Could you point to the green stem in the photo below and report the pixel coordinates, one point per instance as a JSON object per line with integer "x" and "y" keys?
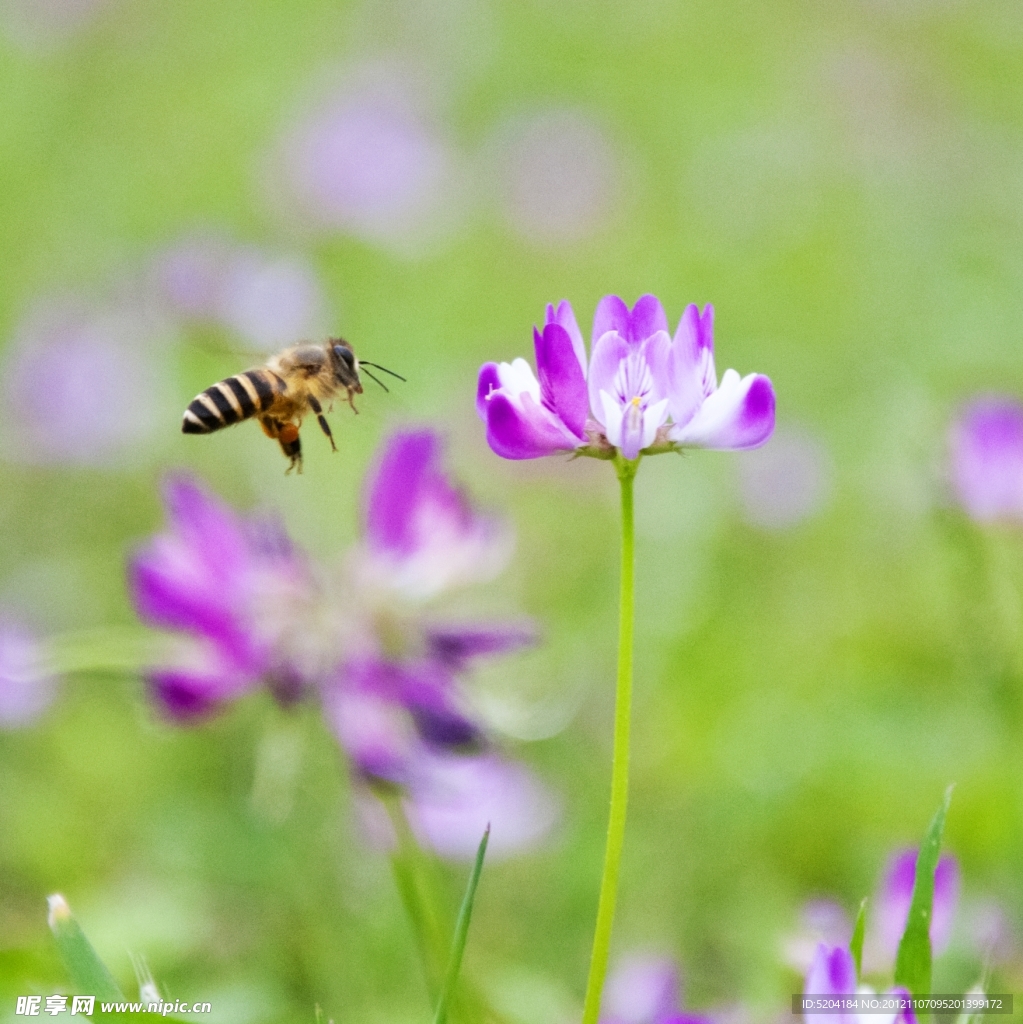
{"x": 620, "y": 761}
{"x": 106, "y": 649}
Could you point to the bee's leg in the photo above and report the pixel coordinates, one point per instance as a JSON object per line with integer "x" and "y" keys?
{"x": 270, "y": 426}
{"x": 324, "y": 425}
{"x": 291, "y": 445}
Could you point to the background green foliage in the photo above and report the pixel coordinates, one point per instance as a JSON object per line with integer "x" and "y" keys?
{"x": 843, "y": 182}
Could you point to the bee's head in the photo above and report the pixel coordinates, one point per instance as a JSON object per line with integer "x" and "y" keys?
{"x": 345, "y": 365}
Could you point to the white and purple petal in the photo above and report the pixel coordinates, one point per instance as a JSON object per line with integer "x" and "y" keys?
{"x": 564, "y": 316}
{"x": 184, "y": 694}
{"x": 738, "y": 415}
{"x": 422, "y": 536}
{"x": 524, "y": 429}
{"x": 452, "y": 799}
{"x": 832, "y": 972}
{"x": 691, "y": 377}
{"x": 456, "y": 646}
{"x": 635, "y": 325}
{"x": 562, "y": 380}
{"x": 610, "y": 351}
{"x": 372, "y": 727}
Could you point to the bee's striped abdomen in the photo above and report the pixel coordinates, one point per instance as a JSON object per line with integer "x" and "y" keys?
{"x": 232, "y": 400}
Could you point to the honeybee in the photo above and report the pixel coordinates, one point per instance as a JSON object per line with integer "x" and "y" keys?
{"x": 279, "y": 394}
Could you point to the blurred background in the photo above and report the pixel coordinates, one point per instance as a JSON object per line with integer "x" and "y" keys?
{"x": 825, "y": 639}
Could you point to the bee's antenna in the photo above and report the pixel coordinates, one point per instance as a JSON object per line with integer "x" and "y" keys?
{"x": 377, "y": 379}
{"x": 377, "y": 366}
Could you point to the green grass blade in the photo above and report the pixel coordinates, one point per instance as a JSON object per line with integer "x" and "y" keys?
{"x": 461, "y": 934}
{"x": 913, "y": 962}
{"x": 88, "y": 974}
{"x": 856, "y": 942}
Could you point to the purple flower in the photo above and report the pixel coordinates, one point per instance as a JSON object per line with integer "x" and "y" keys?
{"x": 369, "y": 161}
{"x": 642, "y": 390}
{"x": 986, "y": 458}
{"x": 452, "y": 798}
{"x": 421, "y": 535}
{"x": 27, "y": 687}
{"x": 645, "y": 988}
{"x": 233, "y": 586}
{"x": 399, "y": 694}
{"x": 267, "y": 299}
{"x": 892, "y": 905}
{"x": 108, "y": 396}
{"x": 833, "y": 973}
{"x": 387, "y": 674}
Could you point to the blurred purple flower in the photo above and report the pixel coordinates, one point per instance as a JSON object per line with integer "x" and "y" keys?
{"x": 820, "y": 920}
{"x": 559, "y": 177}
{"x": 986, "y": 458}
{"x": 233, "y": 586}
{"x": 452, "y": 798}
{"x": 27, "y": 687}
{"x": 270, "y": 301}
{"x": 387, "y": 675}
{"x": 638, "y": 379}
{"x": 891, "y": 907}
{"x": 833, "y": 973}
{"x": 189, "y": 274}
{"x": 421, "y": 537}
{"x": 645, "y": 989}
{"x": 786, "y": 483}
{"x": 367, "y": 161}
{"x": 104, "y": 385}
{"x": 267, "y": 299}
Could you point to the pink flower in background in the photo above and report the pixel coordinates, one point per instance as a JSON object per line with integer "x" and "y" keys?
{"x": 368, "y": 160}
{"x": 27, "y": 686}
{"x": 986, "y": 458}
{"x": 253, "y": 613}
{"x": 891, "y": 907}
{"x": 234, "y": 586}
{"x": 641, "y": 388}
{"x": 645, "y": 988}
{"x": 267, "y": 299}
{"x": 452, "y": 798}
{"x": 108, "y": 396}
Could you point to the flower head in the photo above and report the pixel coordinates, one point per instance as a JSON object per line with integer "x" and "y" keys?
{"x": 229, "y": 584}
{"x": 641, "y": 390}
{"x": 388, "y": 675}
{"x": 986, "y": 450}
